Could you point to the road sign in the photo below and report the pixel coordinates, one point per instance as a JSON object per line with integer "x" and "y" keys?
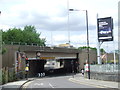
{"x": 47, "y": 58}
{"x": 38, "y": 54}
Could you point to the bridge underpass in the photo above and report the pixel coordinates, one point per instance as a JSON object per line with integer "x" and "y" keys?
{"x": 35, "y": 67}
{"x": 56, "y": 67}
{"x": 62, "y": 60}
{"x": 14, "y": 57}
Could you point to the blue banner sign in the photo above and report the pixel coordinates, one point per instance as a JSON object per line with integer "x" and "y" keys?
{"x": 105, "y": 29}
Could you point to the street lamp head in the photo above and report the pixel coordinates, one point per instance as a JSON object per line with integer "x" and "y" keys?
{"x": 71, "y": 9}
{"x": 76, "y": 10}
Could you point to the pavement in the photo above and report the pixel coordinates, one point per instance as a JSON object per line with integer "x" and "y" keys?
{"x": 97, "y": 83}
{"x": 15, "y": 85}
{"x": 78, "y": 78}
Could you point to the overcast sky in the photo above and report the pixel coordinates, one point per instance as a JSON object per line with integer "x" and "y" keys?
{"x": 50, "y": 17}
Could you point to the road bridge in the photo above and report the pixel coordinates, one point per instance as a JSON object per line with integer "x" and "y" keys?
{"x": 51, "y": 59}
{"x": 57, "y": 56}
{"x": 15, "y": 55}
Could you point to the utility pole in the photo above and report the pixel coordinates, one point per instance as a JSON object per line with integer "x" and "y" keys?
{"x": 68, "y": 22}
{"x": 87, "y": 39}
{"x": 98, "y": 47}
{"x": 88, "y": 44}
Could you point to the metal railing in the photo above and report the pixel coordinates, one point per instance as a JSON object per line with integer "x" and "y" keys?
{"x": 105, "y": 68}
{"x": 21, "y": 43}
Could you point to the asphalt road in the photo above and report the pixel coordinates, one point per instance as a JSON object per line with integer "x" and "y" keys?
{"x": 54, "y": 82}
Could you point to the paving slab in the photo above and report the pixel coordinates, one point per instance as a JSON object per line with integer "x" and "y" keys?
{"x": 14, "y": 85}
{"x": 106, "y": 84}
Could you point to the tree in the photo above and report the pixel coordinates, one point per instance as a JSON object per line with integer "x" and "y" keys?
{"x": 12, "y": 35}
{"x": 31, "y": 36}
{"x": 0, "y": 41}
{"x": 102, "y": 51}
{"x": 2, "y": 49}
{"x": 27, "y": 35}
{"x": 84, "y": 47}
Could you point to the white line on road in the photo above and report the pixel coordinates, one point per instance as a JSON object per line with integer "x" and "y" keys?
{"x": 51, "y": 85}
{"x": 41, "y": 84}
{"x": 38, "y": 84}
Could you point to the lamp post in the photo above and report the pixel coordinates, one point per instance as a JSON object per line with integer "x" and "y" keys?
{"x": 87, "y": 38}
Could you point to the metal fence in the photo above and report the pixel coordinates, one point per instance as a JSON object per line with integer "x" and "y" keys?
{"x": 21, "y": 43}
{"x": 27, "y": 44}
{"x": 112, "y": 68}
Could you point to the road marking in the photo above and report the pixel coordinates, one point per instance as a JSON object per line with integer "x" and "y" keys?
{"x": 51, "y": 85}
{"x": 52, "y": 77}
{"x": 26, "y": 85}
{"x": 38, "y": 84}
{"x": 41, "y": 84}
{"x": 75, "y": 81}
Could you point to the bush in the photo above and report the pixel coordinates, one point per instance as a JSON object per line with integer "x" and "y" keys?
{"x": 9, "y": 75}
{"x": 4, "y": 75}
{"x": 20, "y": 75}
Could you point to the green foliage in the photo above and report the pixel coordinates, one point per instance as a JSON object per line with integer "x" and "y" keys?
{"x": 9, "y": 75}
{"x": 84, "y": 47}
{"x": 4, "y": 75}
{"x": 3, "y": 50}
{"x": 27, "y": 35}
{"x": 12, "y": 35}
{"x": 0, "y": 41}
{"x": 102, "y": 51}
{"x": 111, "y": 61}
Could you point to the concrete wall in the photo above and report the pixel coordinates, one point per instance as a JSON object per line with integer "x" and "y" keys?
{"x": 104, "y": 76}
{"x": 110, "y": 56}
{"x": 47, "y": 54}
{"x": 8, "y": 58}
{"x": 83, "y": 56}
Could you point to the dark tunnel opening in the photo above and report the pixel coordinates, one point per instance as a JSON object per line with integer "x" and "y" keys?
{"x": 35, "y": 67}
{"x": 38, "y": 66}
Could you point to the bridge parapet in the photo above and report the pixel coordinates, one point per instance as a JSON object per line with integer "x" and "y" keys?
{"x": 48, "y": 49}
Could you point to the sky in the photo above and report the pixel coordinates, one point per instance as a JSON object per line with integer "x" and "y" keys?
{"x": 58, "y": 25}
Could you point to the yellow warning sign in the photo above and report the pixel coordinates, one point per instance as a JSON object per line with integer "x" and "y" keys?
{"x": 47, "y": 57}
